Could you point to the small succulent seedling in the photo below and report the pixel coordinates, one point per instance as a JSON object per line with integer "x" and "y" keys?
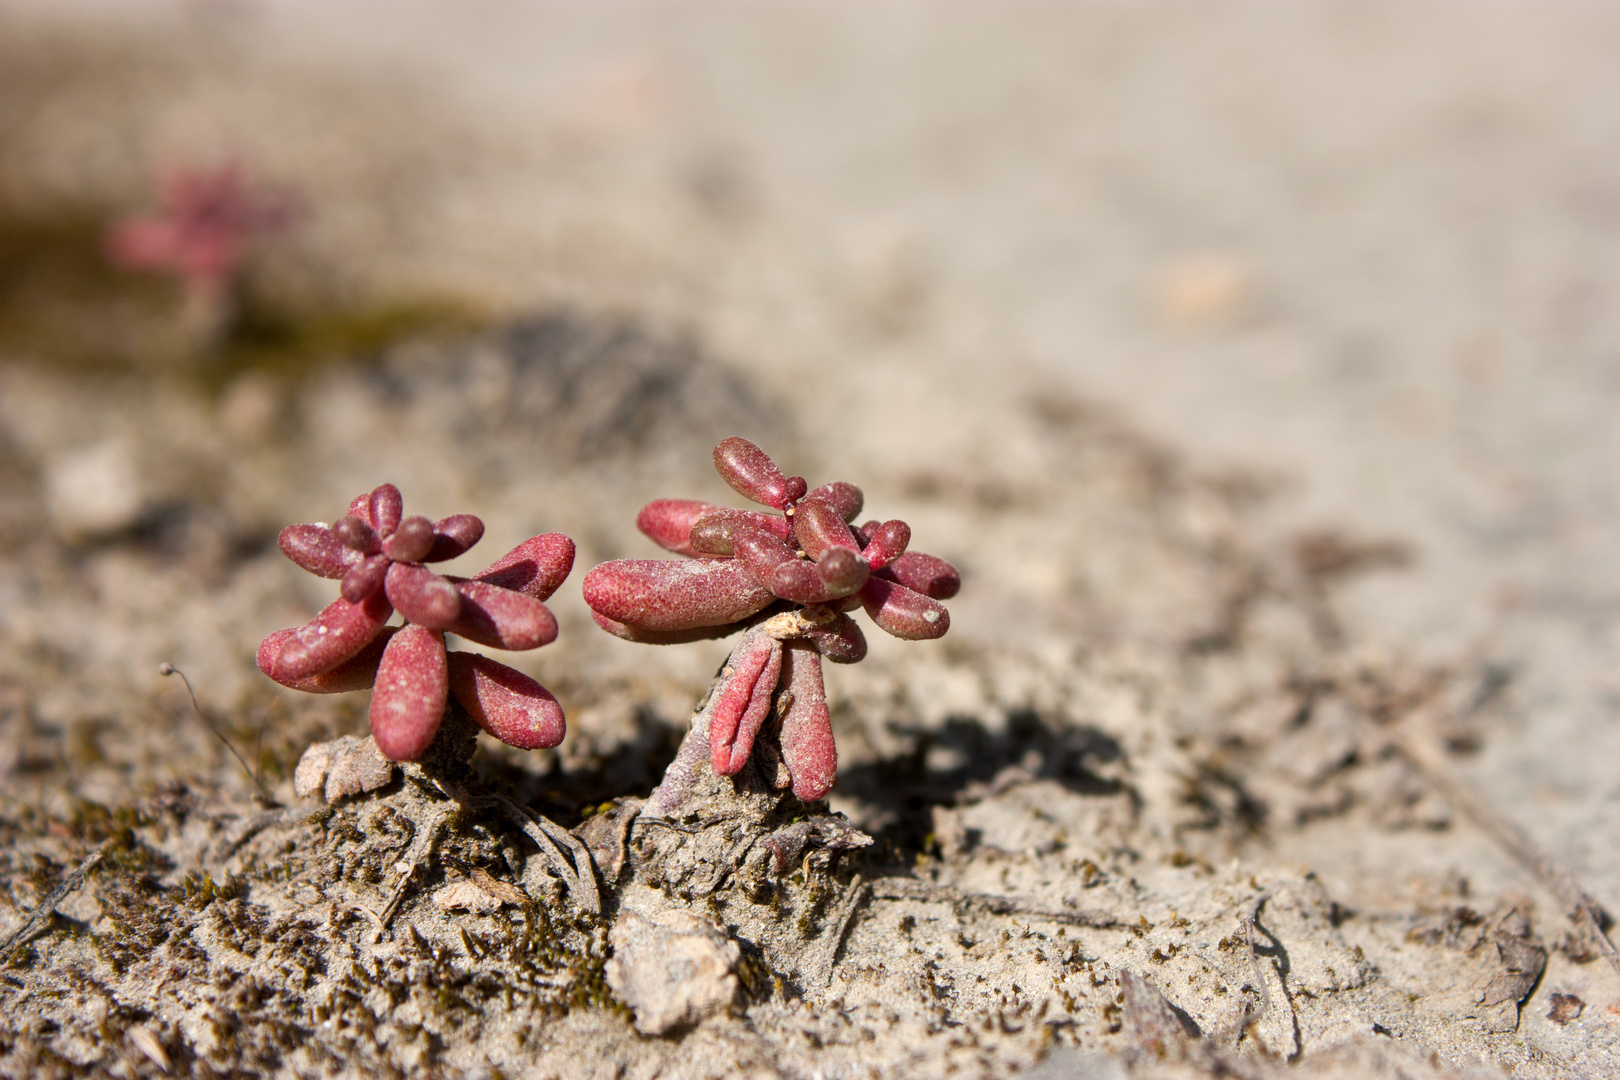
{"x": 380, "y": 556}
{"x": 790, "y": 578}
{"x": 204, "y": 229}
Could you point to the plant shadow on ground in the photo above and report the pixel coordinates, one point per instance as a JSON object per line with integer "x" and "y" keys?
{"x": 946, "y": 763}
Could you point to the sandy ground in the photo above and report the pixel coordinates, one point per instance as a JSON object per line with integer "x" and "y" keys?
{"x": 1256, "y": 364}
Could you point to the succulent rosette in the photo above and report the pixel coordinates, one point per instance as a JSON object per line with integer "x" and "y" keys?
{"x": 380, "y": 555}
{"x": 806, "y": 562}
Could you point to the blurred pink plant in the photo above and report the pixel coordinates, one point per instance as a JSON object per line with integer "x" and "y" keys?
{"x": 811, "y": 563}
{"x": 379, "y": 555}
{"x": 205, "y": 226}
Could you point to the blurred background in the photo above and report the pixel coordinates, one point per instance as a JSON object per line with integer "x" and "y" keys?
{"x": 1116, "y": 303}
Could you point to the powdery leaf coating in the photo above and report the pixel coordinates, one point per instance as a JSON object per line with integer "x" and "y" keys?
{"x": 905, "y": 614}
{"x": 885, "y": 542}
{"x": 411, "y": 541}
{"x": 753, "y": 475}
{"x": 715, "y": 533}
{"x": 668, "y": 522}
{"x": 808, "y": 749}
{"x": 506, "y": 703}
{"x": 317, "y": 549}
{"x": 842, "y": 571}
{"x": 364, "y": 577}
{"x": 661, "y": 637}
{"x": 502, "y": 618}
{"x": 356, "y": 673}
{"x": 356, "y": 533}
{"x": 744, "y": 703}
{"x": 386, "y": 506}
{"x": 763, "y": 554}
{"x": 534, "y": 568}
{"x": 453, "y": 535}
{"x": 654, "y": 594}
{"x": 339, "y": 632}
{"x": 927, "y": 574}
{"x": 422, "y": 596}
{"x": 843, "y": 497}
{"x": 817, "y": 527}
{"x": 412, "y": 687}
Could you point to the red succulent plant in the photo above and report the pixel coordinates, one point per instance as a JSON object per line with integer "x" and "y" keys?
{"x": 208, "y": 221}
{"x": 790, "y": 578}
{"x": 380, "y": 554}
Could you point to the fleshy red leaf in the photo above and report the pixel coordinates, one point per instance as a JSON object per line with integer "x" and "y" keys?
{"x": 357, "y": 535}
{"x": 927, "y": 574}
{"x": 454, "y": 535}
{"x": 356, "y": 673}
{"x": 534, "y": 568}
{"x": 411, "y": 540}
{"x": 714, "y": 534}
{"x": 364, "y": 578}
{"x": 817, "y": 527}
{"x": 763, "y": 554}
{"x": 845, "y": 498}
{"x": 886, "y": 542}
{"x": 663, "y": 637}
{"x": 360, "y": 507}
{"x": 659, "y": 595}
{"x": 669, "y": 522}
{"x": 422, "y": 596}
{"x": 840, "y": 641}
{"x": 751, "y": 473}
{"x": 902, "y": 612}
{"x": 318, "y": 549}
{"x": 506, "y": 703}
{"x": 412, "y": 685}
{"x": 386, "y": 508}
{"x": 502, "y": 618}
{"x": 744, "y": 703}
{"x": 797, "y": 580}
{"x": 340, "y": 631}
{"x": 841, "y": 570}
{"x": 808, "y": 749}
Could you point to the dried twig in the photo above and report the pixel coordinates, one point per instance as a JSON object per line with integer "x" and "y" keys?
{"x": 1582, "y": 910}
{"x": 47, "y": 907}
{"x": 580, "y": 878}
{"x": 853, "y": 896}
{"x": 912, "y": 889}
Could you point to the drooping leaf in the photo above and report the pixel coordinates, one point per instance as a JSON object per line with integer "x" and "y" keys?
{"x": 808, "y": 749}
{"x": 407, "y": 703}
{"x": 506, "y": 703}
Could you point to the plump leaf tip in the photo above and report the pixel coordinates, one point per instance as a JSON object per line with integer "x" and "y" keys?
{"x": 746, "y": 565}
{"x": 380, "y": 555}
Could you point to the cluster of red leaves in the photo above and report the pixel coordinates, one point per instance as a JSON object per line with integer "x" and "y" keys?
{"x": 807, "y": 557}
{"x": 379, "y": 555}
{"x": 207, "y": 221}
